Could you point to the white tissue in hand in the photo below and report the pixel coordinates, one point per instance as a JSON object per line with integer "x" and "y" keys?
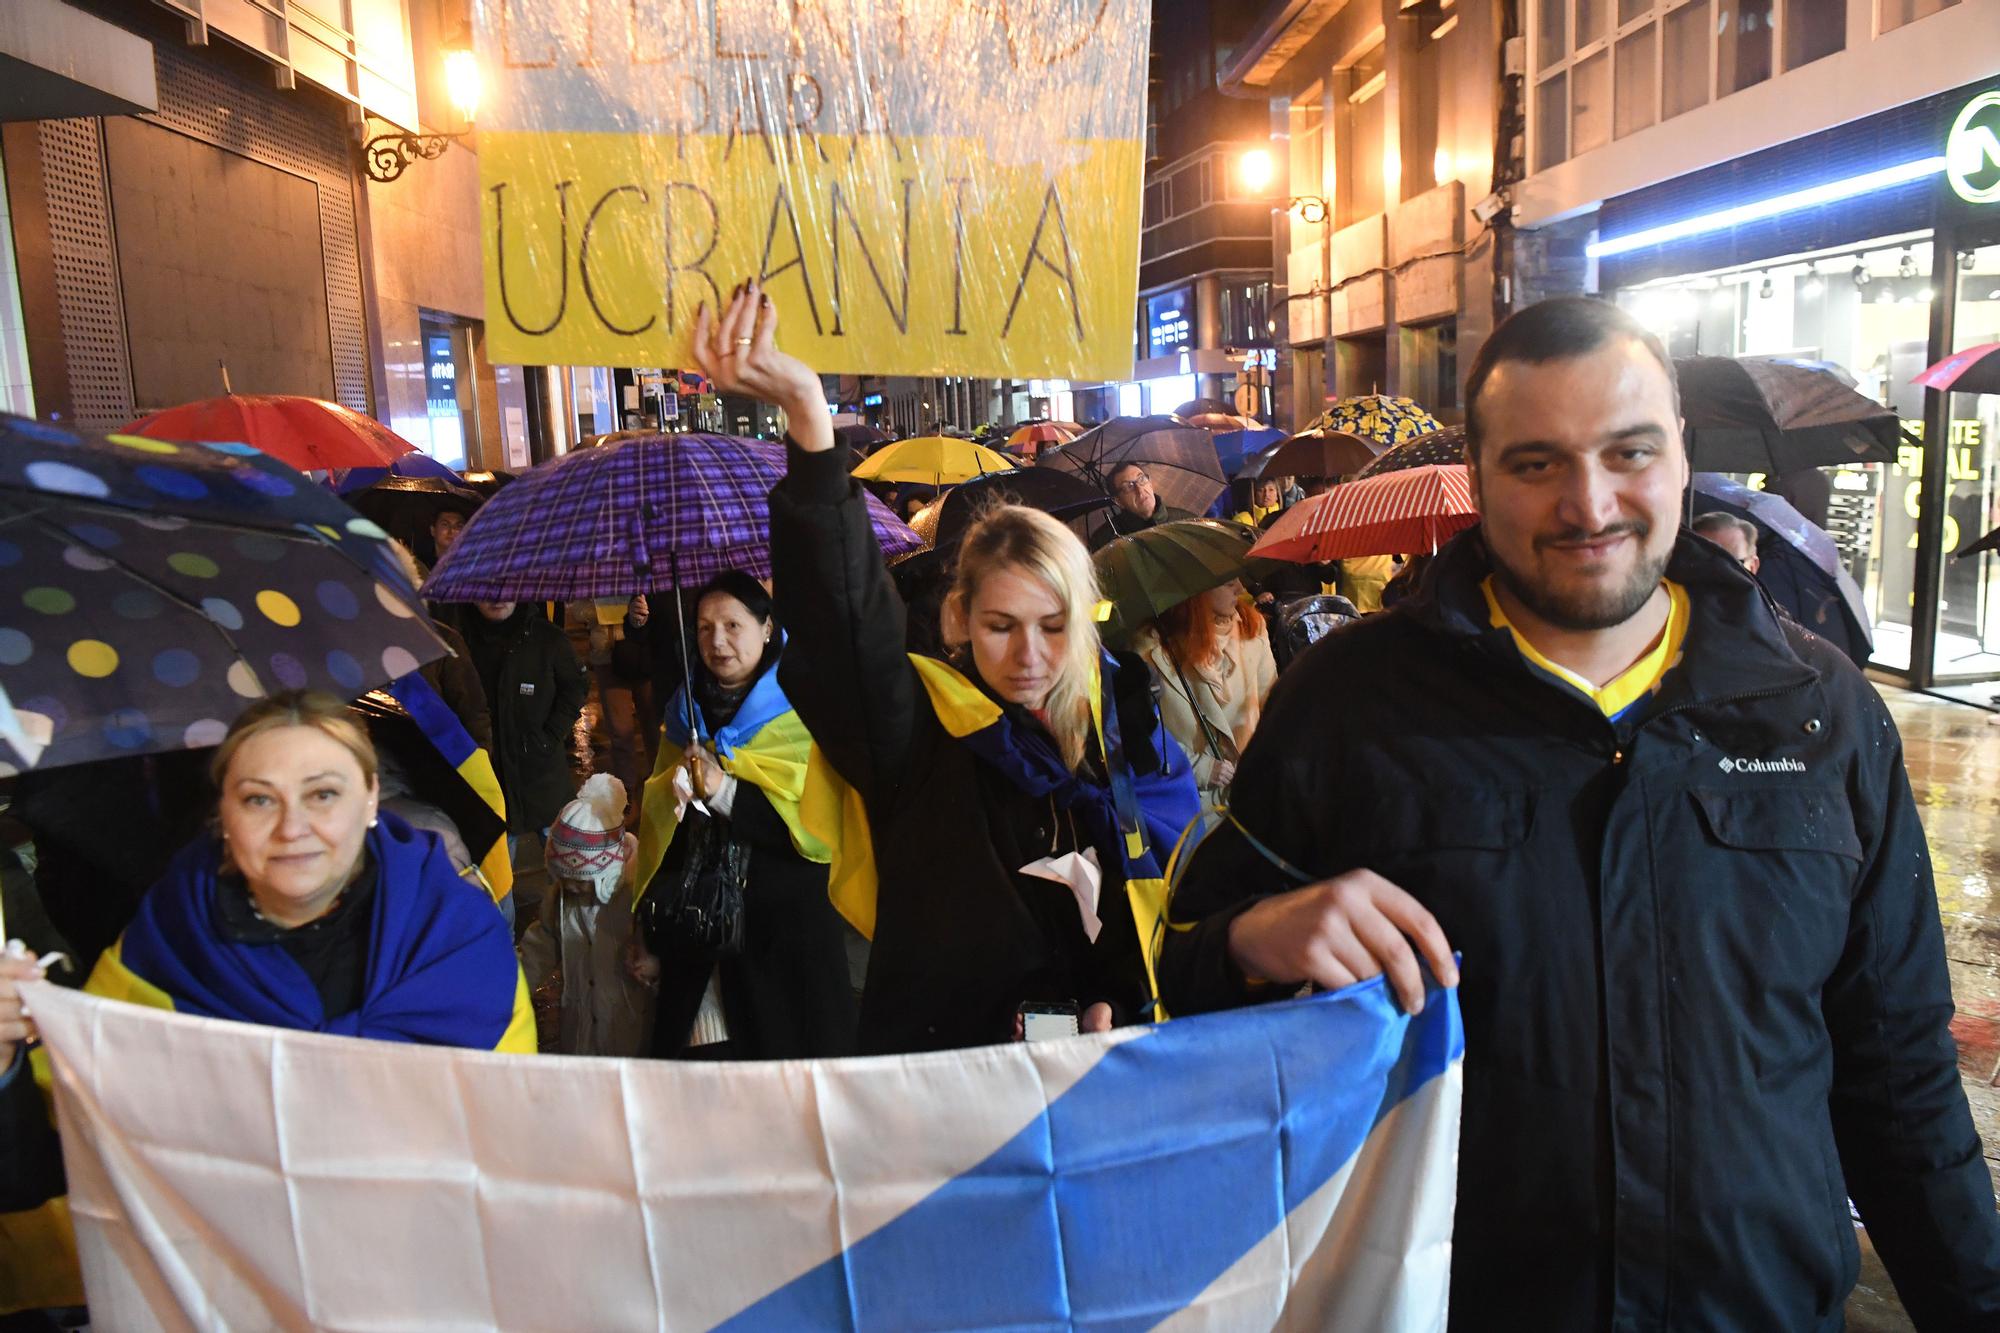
{"x": 1084, "y": 878}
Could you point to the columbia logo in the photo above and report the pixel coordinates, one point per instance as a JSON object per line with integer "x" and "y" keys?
{"x": 1729, "y": 765}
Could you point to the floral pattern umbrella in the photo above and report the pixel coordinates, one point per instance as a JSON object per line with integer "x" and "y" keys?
{"x": 1380, "y": 417}
{"x": 152, "y": 590}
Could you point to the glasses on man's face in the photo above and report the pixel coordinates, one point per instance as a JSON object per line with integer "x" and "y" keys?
{"x": 1133, "y": 486}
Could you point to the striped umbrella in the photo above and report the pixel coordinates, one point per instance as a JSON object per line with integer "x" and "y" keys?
{"x": 1398, "y": 513}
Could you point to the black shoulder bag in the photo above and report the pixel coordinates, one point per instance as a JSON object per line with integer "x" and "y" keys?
{"x": 696, "y": 898}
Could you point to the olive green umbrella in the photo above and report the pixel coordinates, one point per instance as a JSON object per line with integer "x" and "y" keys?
{"x": 1143, "y": 574}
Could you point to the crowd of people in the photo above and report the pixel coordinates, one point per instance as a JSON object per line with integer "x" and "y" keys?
{"x": 1658, "y": 836}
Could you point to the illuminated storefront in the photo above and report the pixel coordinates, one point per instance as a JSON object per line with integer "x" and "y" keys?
{"x": 1874, "y": 247}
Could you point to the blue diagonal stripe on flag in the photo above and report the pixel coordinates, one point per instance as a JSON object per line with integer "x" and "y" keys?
{"x": 1167, "y": 1162}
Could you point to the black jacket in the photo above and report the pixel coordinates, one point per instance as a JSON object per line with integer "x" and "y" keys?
{"x": 1121, "y": 523}
{"x": 1704, "y": 982}
{"x": 961, "y": 937}
{"x": 786, "y": 995}
{"x": 535, "y": 690}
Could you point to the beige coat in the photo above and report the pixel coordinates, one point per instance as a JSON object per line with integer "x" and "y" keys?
{"x": 1230, "y": 693}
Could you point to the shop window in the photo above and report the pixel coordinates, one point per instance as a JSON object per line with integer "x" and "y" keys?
{"x": 1814, "y": 29}
{"x": 1429, "y": 365}
{"x": 1897, "y": 13}
{"x": 1552, "y": 122}
{"x": 1158, "y": 209}
{"x": 1968, "y": 641}
{"x": 1636, "y": 92}
{"x": 1360, "y": 365}
{"x": 1246, "y": 314}
{"x": 1591, "y": 124}
{"x": 1743, "y": 43}
{"x": 1684, "y": 61}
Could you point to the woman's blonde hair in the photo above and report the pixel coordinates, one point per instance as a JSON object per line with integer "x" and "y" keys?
{"x": 297, "y": 708}
{"x": 1014, "y": 536}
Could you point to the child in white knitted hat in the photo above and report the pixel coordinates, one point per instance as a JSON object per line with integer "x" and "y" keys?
{"x": 586, "y": 1000}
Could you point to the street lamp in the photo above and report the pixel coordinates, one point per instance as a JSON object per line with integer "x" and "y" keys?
{"x": 387, "y": 156}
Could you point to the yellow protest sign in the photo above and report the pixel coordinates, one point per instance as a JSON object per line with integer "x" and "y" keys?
{"x": 924, "y": 187}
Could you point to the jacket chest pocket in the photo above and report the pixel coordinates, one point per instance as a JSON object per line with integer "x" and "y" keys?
{"x": 1443, "y": 837}
{"x": 1775, "y": 864}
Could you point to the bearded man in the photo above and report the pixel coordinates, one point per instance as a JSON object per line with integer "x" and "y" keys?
{"x": 1670, "y": 835}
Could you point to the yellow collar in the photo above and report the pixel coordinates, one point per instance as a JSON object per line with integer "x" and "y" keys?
{"x": 1628, "y": 686}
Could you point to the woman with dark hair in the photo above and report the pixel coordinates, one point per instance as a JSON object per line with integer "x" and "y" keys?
{"x": 781, "y": 989}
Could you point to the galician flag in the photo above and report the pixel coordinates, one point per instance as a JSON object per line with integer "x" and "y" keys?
{"x": 1286, "y": 1166}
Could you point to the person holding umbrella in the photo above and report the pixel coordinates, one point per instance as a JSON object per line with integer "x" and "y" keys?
{"x": 1003, "y": 819}
{"x": 1135, "y": 506}
{"x": 738, "y": 746}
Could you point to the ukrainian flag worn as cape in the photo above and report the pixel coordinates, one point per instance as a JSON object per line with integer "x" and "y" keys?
{"x": 443, "y": 730}
{"x": 765, "y": 745}
{"x": 1151, "y": 810}
{"x": 441, "y": 971}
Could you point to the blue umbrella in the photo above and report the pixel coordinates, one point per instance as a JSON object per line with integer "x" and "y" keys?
{"x": 348, "y": 480}
{"x": 1233, "y": 448}
{"x": 1799, "y": 564}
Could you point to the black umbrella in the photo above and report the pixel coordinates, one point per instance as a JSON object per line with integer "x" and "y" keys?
{"x": 1752, "y": 415}
{"x": 405, "y": 506}
{"x": 1179, "y": 458}
{"x": 1195, "y": 407}
{"x": 861, "y": 438}
{"x": 1438, "y": 447}
{"x": 486, "y": 484}
{"x": 1064, "y": 495}
{"x": 1313, "y": 453}
{"x": 1799, "y": 565}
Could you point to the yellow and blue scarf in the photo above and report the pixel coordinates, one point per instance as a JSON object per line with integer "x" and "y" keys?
{"x": 765, "y": 745}
{"x": 1128, "y": 819}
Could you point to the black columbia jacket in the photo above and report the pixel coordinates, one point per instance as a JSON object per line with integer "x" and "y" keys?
{"x": 1704, "y": 981}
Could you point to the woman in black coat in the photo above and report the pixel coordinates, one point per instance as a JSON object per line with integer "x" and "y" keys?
{"x": 784, "y": 993}
{"x": 986, "y": 781}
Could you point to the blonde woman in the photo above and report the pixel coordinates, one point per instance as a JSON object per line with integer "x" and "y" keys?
{"x": 1011, "y": 794}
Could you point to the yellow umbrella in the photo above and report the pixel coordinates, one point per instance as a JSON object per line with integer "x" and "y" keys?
{"x": 937, "y": 460}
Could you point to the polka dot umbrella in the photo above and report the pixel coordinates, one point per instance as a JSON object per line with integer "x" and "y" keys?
{"x": 149, "y": 591}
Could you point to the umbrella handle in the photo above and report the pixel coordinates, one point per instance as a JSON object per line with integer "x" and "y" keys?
{"x": 687, "y": 666}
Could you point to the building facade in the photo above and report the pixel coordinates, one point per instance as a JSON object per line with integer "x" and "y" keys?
{"x": 1809, "y": 180}
{"x": 186, "y": 200}
{"x": 1204, "y": 323}
{"x": 1383, "y": 118}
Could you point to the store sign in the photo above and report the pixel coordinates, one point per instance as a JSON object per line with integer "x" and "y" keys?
{"x": 1169, "y": 321}
{"x": 440, "y": 373}
{"x": 922, "y": 189}
{"x": 1972, "y": 152}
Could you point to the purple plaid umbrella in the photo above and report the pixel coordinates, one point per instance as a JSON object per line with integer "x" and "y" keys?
{"x": 640, "y": 516}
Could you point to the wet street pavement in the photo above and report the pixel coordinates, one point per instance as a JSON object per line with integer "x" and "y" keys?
{"x": 1953, "y": 755}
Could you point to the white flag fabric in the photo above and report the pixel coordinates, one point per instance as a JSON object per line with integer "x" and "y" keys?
{"x": 1286, "y": 1166}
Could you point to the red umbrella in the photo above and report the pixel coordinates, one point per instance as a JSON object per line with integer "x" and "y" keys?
{"x": 1975, "y": 370}
{"x": 308, "y": 433}
{"x": 1397, "y": 513}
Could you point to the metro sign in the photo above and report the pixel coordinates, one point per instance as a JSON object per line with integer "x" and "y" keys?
{"x": 1972, "y": 153}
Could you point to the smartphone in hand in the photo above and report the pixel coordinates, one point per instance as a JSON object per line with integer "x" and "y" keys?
{"x": 1047, "y": 1020}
